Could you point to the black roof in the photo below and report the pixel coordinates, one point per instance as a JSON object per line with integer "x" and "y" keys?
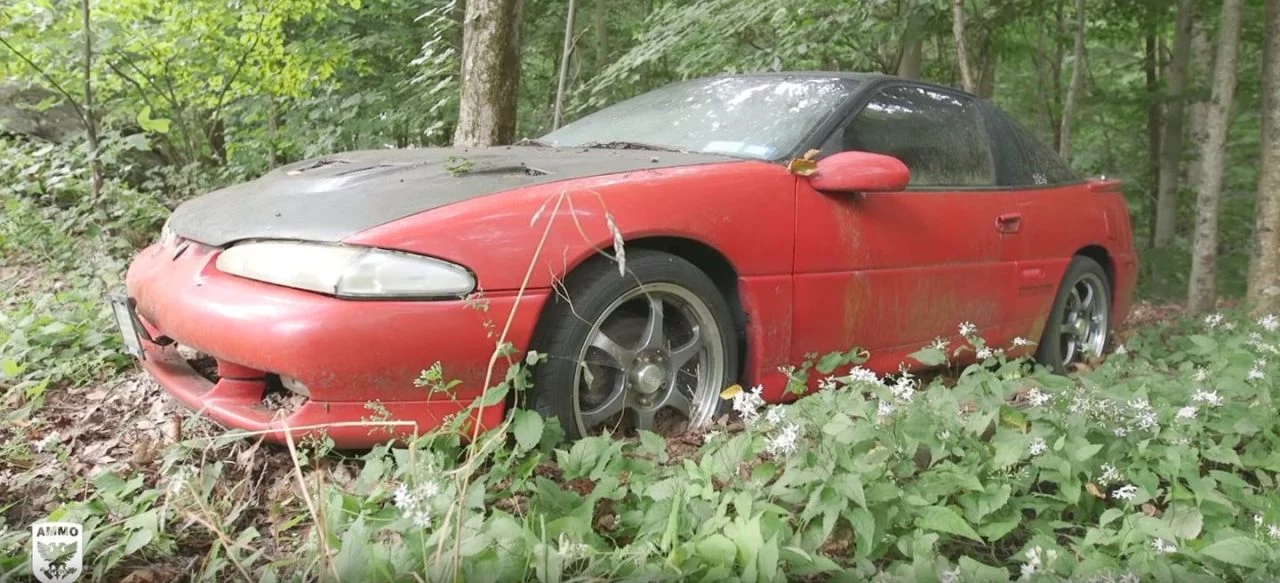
{"x": 864, "y": 76}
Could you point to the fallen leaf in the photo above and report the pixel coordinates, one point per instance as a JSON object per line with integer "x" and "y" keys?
{"x": 1097, "y": 492}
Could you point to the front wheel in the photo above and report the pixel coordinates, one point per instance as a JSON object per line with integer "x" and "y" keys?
{"x": 1079, "y": 323}
{"x": 651, "y": 349}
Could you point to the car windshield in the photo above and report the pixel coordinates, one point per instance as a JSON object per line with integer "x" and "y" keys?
{"x": 764, "y": 117}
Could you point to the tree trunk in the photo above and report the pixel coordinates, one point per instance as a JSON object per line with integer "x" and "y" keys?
{"x": 1202, "y": 291}
{"x": 1153, "y": 117}
{"x": 962, "y": 47}
{"x": 1073, "y": 90}
{"x": 911, "y": 55}
{"x": 1197, "y": 110}
{"x": 1264, "y": 266}
{"x": 490, "y": 73}
{"x": 1171, "y": 141}
{"x": 564, "y": 65}
{"x": 600, "y": 23}
{"x": 987, "y": 70}
{"x": 90, "y": 117}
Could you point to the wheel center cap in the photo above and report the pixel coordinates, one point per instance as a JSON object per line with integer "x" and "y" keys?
{"x": 649, "y": 378}
{"x": 1082, "y": 327}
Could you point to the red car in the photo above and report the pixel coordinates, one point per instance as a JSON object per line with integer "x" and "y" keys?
{"x": 656, "y": 251}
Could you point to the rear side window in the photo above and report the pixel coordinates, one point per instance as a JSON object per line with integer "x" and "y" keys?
{"x": 939, "y": 136}
{"x": 1025, "y": 159}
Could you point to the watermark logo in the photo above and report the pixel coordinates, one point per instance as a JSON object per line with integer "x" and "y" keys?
{"x": 57, "y": 551}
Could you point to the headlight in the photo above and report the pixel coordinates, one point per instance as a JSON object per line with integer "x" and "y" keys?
{"x": 345, "y": 271}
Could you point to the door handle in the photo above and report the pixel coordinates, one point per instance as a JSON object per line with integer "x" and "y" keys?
{"x": 1009, "y": 223}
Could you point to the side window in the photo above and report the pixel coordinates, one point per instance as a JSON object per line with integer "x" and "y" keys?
{"x": 1031, "y": 162}
{"x": 939, "y": 136}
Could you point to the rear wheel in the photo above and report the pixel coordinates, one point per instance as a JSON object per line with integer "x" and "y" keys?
{"x": 649, "y": 350}
{"x": 1080, "y": 322}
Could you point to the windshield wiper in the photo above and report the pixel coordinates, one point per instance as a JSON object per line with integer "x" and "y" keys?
{"x": 624, "y": 145}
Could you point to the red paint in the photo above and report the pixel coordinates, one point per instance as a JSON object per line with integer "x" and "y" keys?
{"x": 885, "y": 270}
{"x": 860, "y": 172}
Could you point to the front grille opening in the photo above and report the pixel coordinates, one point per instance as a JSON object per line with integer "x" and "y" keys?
{"x": 279, "y": 400}
{"x": 204, "y": 364}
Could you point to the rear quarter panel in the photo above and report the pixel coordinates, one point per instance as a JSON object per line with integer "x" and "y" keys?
{"x": 1058, "y": 223}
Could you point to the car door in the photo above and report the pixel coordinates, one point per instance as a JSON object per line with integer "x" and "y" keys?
{"x": 891, "y": 271}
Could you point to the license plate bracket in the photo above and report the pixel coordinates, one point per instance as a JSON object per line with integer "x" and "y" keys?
{"x": 131, "y": 330}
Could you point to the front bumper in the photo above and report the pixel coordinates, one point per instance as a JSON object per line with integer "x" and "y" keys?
{"x": 358, "y": 359}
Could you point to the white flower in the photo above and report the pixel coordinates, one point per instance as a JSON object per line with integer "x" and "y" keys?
{"x": 1140, "y": 405}
{"x": 1163, "y": 547}
{"x": 1037, "y": 558}
{"x": 1201, "y": 375}
{"x": 944, "y": 435}
{"x": 952, "y": 576}
{"x": 415, "y": 504}
{"x": 885, "y": 409}
{"x": 1213, "y": 320}
{"x": 1188, "y": 413}
{"x": 967, "y": 329}
{"x": 1120, "y": 431}
{"x": 1254, "y": 339}
{"x": 1255, "y": 374}
{"x": 1257, "y": 519}
{"x": 571, "y": 551}
{"x": 862, "y": 375}
{"x": 784, "y": 443}
{"x": 1147, "y": 420}
{"x": 1130, "y": 577}
{"x": 708, "y": 436}
{"x": 1270, "y": 322}
{"x": 1121, "y": 350}
{"x": 1037, "y": 397}
{"x": 940, "y": 344}
{"x": 1125, "y": 492}
{"x": 1037, "y": 446}
{"x": 904, "y": 389}
{"x": 775, "y": 414}
{"x": 985, "y": 353}
{"x": 747, "y": 403}
{"x": 827, "y": 384}
{"x": 1273, "y": 531}
{"x": 1110, "y": 475}
{"x": 1020, "y": 341}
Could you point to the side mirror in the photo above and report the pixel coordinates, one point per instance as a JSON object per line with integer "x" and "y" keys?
{"x": 857, "y": 172}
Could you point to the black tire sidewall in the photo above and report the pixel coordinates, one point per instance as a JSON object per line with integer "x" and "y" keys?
{"x": 587, "y": 292}
{"x": 1050, "y": 349}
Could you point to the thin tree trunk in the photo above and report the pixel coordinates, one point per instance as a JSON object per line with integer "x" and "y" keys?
{"x": 1073, "y": 90}
{"x": 564, "y": 65}
{"x": 600, "y": 22}
{"x": 1264, "y": 266}
{"x": 1197, "y": 110}
{"x": 1202, "y": 291}
{"x": 1153, "y": 117}
{"x": 911, "y": 53}
{"x": 490, "y": 73}
{"x": 1171, "y": 141}
{"x": 962, "y": 47}
{"x": 90, "y": 119}
{"x": 988, "y": 59}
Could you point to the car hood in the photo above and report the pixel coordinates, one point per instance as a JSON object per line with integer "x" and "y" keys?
{"x": 334, "y": 197}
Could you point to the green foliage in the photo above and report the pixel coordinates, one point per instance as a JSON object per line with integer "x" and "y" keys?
{"x": 1158, "y": 463}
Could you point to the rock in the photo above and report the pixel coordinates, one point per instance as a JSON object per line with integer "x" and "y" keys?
{"x": 34, "y": 111}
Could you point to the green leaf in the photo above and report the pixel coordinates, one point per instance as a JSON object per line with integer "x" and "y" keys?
{"x": 527, "y": 426}
{"x": 157, "y": 125}
{"x": 1240, "y": 550}
{"x": 829, "y": 362}
{"x": 929, "y": 356}
{"x": 1010, "y": 446}
{"x": 1109, "y": 515}
{"x": 717, "y": 549}
{"x": 1185, "y": 521}
{"x": 974, "y": 571}
{"x": 943, "y": 519}
{"x": 1088, "y": 451}
{"x": 851, "y": 487}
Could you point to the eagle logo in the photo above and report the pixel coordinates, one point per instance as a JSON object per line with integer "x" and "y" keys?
{"x": 57, "y": 551}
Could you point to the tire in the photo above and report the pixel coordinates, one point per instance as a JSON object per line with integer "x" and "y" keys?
{"x": 589, "y": 383}
{"x": 1075, "y": 322}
